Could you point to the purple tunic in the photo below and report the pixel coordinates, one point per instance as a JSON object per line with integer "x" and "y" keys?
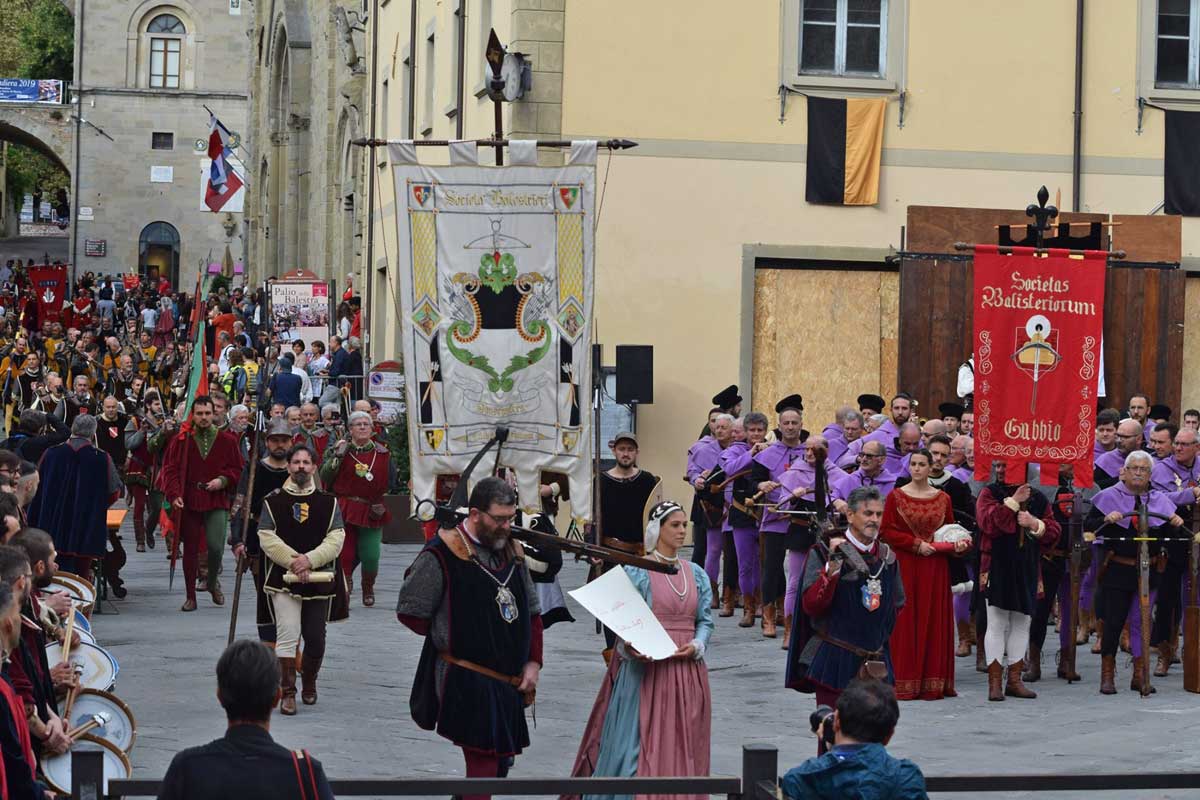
{"x": 734, "y": 459}
{"x": 777, "y": 459}
{"x": 1118, "y": 498}
{"x": 1176, "y": 480}
{"x": 1097, "y": 450}
{"x": 835, "y": 437}
{"x": 803, "y": 474}
{"x": 963, "y": 473}
{"x": 1111, "y": 462}
{"x": 885, "y": 481}
{"x": 703, "y": 455}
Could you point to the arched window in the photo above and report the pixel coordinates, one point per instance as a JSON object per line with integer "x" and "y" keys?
{"x": 166, "y": 45}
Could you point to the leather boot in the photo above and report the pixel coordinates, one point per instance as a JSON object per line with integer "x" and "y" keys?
{"x": 995, "y": 681}
{"x": 1163, "y": 665}
{"x": 1125, "y": 648}
{"x": 139, "y": 532}
{"x": 349, "y": 585}
{"x": 964, "y": 644}
{"x": 214, "y": 589}
{"x": 368, "y": 588}
{"x": 1066, "y": 666}
{"x": 1084, "y": 629}
{"x": 1099, "y": 636}
{"x": 787, "y": 631}
{"x": 1139, "y": 678}
{"x": 308, "y": 681}
{"x": 972, "y": 637}
{"x": 1108, "y": 672}
{"x": 287, "y": 682}
{"x": 1174, "y": 640}
{"x": 749, "y": 609}
{"x": 981, "y": 664}
{"x": 1014, "y": 687}
{"x": 1033, "y": 671}
{"x": 768, "y": 620}
{"x": 716, "y": 594}
{"x": 726, "y": 602}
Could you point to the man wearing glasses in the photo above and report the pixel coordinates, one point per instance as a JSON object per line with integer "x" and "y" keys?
{"x": 1109, "y": 465}
{"x": 1178, "y": 475}
{"x": 470, "y": 595}
{"x": 870, "y": 472}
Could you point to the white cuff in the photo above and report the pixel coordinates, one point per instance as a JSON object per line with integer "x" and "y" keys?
{"x": 1012, "y": 505}
{"x": 700, "y": 648}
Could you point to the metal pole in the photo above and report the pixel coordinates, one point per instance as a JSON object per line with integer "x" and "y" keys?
{"x": 365, "y": 290}
{"x": 462, "y": 68}
{"x": 499, "y": 135}
{"x": 1076, "y": 152}
{"x": 608, "y": 144}
{"x": 75, "y": 178}
{"x": 760, "y": 763}
{"x": 412, "y": 71}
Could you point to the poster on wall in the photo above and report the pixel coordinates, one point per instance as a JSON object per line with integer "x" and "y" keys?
{"x": 1038, "y": 324}
{"x": 496, "y": 277}
{"x": 28, "y": 90}
{"x": 300, "y": 310}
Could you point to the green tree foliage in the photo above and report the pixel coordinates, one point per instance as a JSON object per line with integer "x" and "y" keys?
{"x": 47, "y": 41}
{"x": 29, "y": 170}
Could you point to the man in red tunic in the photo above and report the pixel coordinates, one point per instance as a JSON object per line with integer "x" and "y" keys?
{"x": 200, "y": 471}
{"x": 357, "y": 472}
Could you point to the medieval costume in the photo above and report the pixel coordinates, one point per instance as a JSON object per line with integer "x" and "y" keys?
{"x": 140, "y": 473}
{"x": 623, "y": 504}
{"x": 1117, "y": 577}
{"x": 72, "y": 502}
{"x": 922, "y": 643}
{"x": 655, "y": 719}
{"x": 770, "y": 465}
{"x": 849, "y": 616}
{"x": 1010, "y": 577}
{"x": 1179, "y": 480}
{"x": 266, "y": 480}
{"x": 191, "y": 461}
{"x": 479, "y": 613}
{"x": 358, "y": 475}
{"x": 317, "y": 439}
{"x": 707, "y": 506}
{"x": 297, "y": 521}
{"x": 736, "y": 462}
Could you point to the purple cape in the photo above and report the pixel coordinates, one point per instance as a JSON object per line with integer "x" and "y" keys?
{"x": 1118, "y": 498}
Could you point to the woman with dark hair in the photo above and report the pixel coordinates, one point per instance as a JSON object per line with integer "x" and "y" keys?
{"x": 923, "y": 641}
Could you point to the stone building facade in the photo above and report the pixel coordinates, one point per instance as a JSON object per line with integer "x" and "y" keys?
{"x": 145, "y": 73}
{"x": 308, "y": 101}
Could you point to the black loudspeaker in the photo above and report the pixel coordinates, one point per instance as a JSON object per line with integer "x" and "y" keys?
{"x": 635, "y": 374}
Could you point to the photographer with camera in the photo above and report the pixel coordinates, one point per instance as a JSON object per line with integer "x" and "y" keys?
{"x": 857, "y": 764}
{"x": 851, "y": 593}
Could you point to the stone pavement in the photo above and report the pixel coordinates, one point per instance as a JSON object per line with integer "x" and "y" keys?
{"x": 361, "y": 727}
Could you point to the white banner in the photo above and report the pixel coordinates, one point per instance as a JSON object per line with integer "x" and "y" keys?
{"x": 615, "y": 601}
{"x": 496, "y": 275}
{"x": 300, "y": 310}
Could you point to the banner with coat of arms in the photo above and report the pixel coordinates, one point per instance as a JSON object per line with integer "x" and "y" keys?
{"x": 496, "y": 276}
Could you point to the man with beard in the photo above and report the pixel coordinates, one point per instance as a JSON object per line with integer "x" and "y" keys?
{"x": 270, "y": 475}
{"x": 1179, "y": 476}
{"x": 79, "y": 483}
{"x": 300, "y": 532}
{"x": 208, "y": 459}
{"x": 770, "y": 463}
{"x": 1129, "y": 439}
{"x": 870, "y": 472}
{"x": 120, "y": 380}
{"x": 851, "y": 593}
{"x": 470, "y": 595}
{"x": 81, "y": 400}
{"x": 52, "y": 399}
{"x": 25, "y": 388}
{"x": 16, "y": 744}
{"x": 1139, "y": 412}
{"x": 889, "y": 433}
{"x": 110, "y": 432}
{"x": 311, "y": 432}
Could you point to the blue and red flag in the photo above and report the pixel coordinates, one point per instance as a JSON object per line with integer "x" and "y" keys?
{"x": 223, "y": 182}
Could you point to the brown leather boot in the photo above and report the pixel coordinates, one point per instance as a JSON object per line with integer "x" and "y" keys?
{"x": 1163, "y": 665}
{"x": 1108, "y": 673}
{"x": 368, "y": 588}
{"x": 964, "y": 643}
{"x": 1140, "y": 678}
{"x": 214, "y": 589}
{"x": 287, "y": 682}
{"x": 995, "y": 674}
{"x": 1083, "y": 630}
{"x": 1014, "y": 687}
{"x": 308, "y": 681}
{"x": 1033, "y": 671}
{"x": 972, "y": 637}
{"x": 768, "y": 620}
{"x": 981, "y": 664}
{"x": 1099, "y": 636}
{"x": 1066, "y": 666}
{"x": 1175, "y": 644}
{"x": 1125, "y": 648}
{"x": 749, "y": 609}
{"x": 726, "y": 602}
{"x": 716, "y": 593}
{"x": 787, "y": 632}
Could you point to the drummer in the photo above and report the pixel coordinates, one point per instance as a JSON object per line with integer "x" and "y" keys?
{"x": 32, "y": 678}
{"x": 16, "y": 746}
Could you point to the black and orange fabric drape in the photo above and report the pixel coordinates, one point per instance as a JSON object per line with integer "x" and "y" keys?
{"x": 845, "y": 142}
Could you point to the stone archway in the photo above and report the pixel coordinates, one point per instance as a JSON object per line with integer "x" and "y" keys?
{"x": 46, "y": 129}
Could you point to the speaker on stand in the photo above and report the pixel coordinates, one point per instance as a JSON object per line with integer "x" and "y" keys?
{"x": 635, "y": 374}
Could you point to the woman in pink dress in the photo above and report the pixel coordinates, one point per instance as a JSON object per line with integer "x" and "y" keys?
{"x": 654, "y": 718}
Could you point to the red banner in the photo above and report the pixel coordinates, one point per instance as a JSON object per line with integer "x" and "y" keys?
{"x": 49, "y": 287}
{"x": 1038, "y": 323}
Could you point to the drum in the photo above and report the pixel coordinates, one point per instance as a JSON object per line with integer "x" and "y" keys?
{"x": 82, "y": 622}
{"x": 99, "y": 667}
{"x": 121, "y": 728}
{"x": 80, "y": 590}
{"x": 57, "y": 769}
{"x": 84, "y": 636}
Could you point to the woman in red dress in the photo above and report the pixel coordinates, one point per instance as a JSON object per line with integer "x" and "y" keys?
{"x": 923, "y": 641}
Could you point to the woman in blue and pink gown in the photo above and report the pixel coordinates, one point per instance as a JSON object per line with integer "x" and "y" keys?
{"x": 654, "y": 718}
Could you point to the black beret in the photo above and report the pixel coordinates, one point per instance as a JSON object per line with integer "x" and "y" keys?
{"x": 955, "y": 410}
{"x": 793, "y": 401}
{"x": 871, "y": 402}
{"x": 727, "y": 398}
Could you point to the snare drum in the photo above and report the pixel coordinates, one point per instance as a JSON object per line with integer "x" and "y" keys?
{"x": 82, "y": 622}
{"x": 121, "y": 729}
{"x": 80, "y": 590}
{"x": 99, "y": 667}
{"x": 57, "y": 769}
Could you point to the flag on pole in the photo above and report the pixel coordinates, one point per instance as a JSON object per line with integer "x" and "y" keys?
{"x": 223, "y": 182}
{"x": 198, "y": 374}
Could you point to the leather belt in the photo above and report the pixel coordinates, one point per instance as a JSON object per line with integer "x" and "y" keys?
{"x": 623, "y": 546}
{"x": 1128, "y": 562}
{"x": 856, "y": 650}
{"x": 511, "y": 680}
